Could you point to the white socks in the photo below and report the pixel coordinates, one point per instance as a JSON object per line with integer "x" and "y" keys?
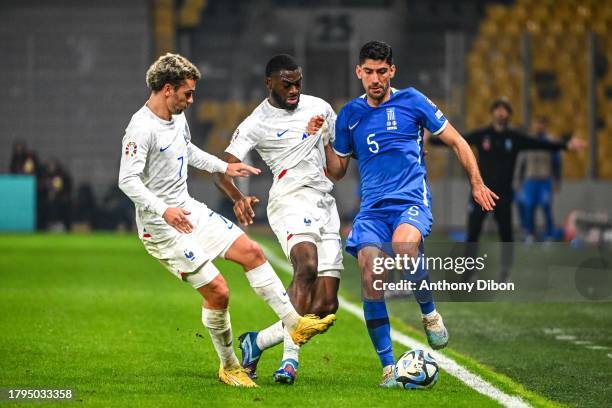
{"x": 266, "y": 284}
{"x": 275, "y": 334}
{"x": 270, "y": 336}
{"x": 218, "y": 324}
{"x": 290, "y": 349}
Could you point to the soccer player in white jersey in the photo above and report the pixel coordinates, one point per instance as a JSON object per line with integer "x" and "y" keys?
{"x": 184, "y": 234}
{"x": 301, "y": 210}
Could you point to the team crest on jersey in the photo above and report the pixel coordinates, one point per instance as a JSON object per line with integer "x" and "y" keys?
{"x": 189, "y": 255}
{"x": 391, "y": 122}
{"x": 130, "y": 149}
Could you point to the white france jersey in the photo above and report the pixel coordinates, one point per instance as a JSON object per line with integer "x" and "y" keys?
{"x": 295, "y": 158}
{"x": 154, "y": 158}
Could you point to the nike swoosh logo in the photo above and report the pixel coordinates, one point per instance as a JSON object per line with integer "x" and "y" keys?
{"x": 163, "y": 149}
{"x": 351, "y": 127}
{"x": 279, "y": 134}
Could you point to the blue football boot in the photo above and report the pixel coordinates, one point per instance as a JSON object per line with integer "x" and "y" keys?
{"x": 250, "y": 353}
{"x": 287, "y": 372}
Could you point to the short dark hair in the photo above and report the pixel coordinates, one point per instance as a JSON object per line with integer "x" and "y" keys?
{"x": 279, "y": 63}
{"x": 504, "y": 103}
{"x": 376, "y": 50}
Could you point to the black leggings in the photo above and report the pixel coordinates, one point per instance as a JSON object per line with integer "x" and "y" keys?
{"x": 503, "y": 216}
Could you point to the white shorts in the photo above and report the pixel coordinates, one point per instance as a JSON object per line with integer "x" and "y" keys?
{"x": 189, "y": 256}
{"x": 309, "y": 215}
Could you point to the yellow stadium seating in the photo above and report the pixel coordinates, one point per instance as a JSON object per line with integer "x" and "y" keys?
{"x": 558, "y": 36}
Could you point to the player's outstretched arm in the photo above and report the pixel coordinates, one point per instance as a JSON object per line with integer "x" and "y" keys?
{"x": 205, "y": 161}
{"x": 481, "y": 193}
{"x": 525, "y": 142}
{"x": 243, "y": 205}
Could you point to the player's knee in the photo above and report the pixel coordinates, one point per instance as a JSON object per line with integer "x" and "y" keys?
{"x": 366, "y": 264}
{"x": 254, "y": 254}
{"x": 219, "y": 296}
{"x": 409, "y": 249}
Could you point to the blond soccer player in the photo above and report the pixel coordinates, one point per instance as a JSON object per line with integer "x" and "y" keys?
{"x": 183, "y": 233}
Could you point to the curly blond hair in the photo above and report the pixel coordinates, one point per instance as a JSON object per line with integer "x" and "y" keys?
{"x": 170, "y": 69}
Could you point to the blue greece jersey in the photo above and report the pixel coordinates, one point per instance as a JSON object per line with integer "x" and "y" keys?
{"x": 388, "y": 143}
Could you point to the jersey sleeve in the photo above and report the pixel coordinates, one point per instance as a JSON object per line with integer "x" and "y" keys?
{"x": 135, "y": 149}
{"x": 431, "y": 118}
{"x": 342, "y": 145}
{"x": 330, "y": 118}
{"x": 199, "y": 159}
{"x": 524, "y": 142}
{"x": 244, "y": 139}
{"x": 205, "y": 161}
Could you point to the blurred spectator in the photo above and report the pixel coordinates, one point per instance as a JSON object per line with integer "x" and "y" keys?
{"x": 58, "y": 202}
{"x": 85, "y": 208}
{"x": 116, "y": 212}
{"x": 498, "y": 146}
{"x": 540, "y": 174}
{"x": 23, "y": 160}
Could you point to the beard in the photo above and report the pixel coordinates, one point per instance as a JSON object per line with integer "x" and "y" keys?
{"x": 282, "y": 103}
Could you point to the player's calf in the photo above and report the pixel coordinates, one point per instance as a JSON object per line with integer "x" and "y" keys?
{"x": 325, "y": 295}
{"x": 305, "y": 265}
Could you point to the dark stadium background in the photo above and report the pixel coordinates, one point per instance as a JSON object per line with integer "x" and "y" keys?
{"x": 72, "y": 74}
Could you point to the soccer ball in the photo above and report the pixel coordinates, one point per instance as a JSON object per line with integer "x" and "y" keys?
{"x": 416, "y": 369}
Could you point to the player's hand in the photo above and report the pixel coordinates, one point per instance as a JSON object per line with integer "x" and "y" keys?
{"x": 576, "y": 144}
{"x": 484, "y": 197}
{"x": 319, "y": 124}
{"x": 243, "y": 209}
{"x": 177, "y": 218}
{"x": 314, "y": 124}
{"x": 241, "y": 170}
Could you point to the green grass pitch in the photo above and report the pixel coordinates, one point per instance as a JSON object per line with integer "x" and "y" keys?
{"x": 96, "y": 314}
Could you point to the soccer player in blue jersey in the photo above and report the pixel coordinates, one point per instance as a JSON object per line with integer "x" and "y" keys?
{"x": 383, "y": 130}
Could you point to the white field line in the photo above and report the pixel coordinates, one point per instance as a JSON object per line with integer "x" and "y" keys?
{"x": 451, "y": 366}
{"x": 558, "y": 333}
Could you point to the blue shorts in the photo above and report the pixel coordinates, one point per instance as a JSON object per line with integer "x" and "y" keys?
{"x": 375, "y": 226}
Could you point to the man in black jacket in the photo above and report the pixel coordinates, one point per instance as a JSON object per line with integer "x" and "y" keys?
{"x": 498, "y": 146}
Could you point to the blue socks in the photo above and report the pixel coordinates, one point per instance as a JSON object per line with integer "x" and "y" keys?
{"x": 379, "y": 329}
{"x": 424, "y": 297}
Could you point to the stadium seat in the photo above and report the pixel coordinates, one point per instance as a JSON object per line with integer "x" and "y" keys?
{"x": 558, "y": 45}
